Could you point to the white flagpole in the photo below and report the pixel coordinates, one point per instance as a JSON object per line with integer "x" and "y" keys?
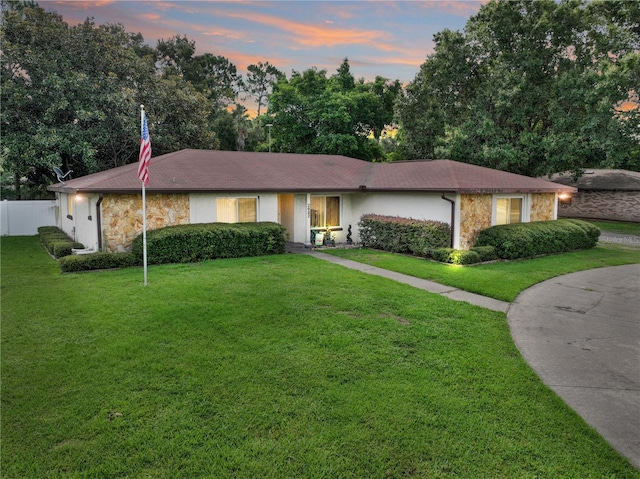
{"x": 144, "y": 216}
{"x": 144, "y": 233}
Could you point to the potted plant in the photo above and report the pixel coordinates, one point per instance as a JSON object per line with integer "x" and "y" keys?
{"x": 328, "y": 238}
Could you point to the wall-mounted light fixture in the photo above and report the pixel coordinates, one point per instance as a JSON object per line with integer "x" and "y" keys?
{"x": 564, "y": 199}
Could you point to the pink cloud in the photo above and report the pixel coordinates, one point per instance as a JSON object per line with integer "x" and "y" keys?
{"x": 310, "y": 35}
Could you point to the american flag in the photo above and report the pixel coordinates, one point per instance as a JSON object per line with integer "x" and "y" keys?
{"x": 145, "y": 152}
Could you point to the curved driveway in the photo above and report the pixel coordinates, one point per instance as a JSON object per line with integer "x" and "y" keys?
{"x": 581, "y": 334}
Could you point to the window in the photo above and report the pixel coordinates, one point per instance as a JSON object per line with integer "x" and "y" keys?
{"x": 508, "y": 210}
{"x": 237, "y": 210}
{"x": 325, "y": 211}
{"x": 69, "y": 206}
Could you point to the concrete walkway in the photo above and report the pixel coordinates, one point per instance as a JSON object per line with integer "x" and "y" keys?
{"x": 448, "y": 291}
{"x": 581, "y": 335}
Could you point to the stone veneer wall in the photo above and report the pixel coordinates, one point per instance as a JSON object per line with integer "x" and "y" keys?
{"x": 475, "y": 215}
{"x": 542, "y": 205}
{"x": 122, "y": 217}
{"x": 610, "y": 205}
{"x": 476, "y": 212}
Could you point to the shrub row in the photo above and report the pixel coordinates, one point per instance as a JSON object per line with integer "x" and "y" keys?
{"x": 197, "y": 242}
{"x": 403, "y": 235}
{"x": 93, "y": 261}
{"x": 525, "y": 240}
{"x": 477, "y": 254}
{"x": 56, "y": 241}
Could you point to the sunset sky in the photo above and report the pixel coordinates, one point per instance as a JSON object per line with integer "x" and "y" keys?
{"x": 383, "y": 38}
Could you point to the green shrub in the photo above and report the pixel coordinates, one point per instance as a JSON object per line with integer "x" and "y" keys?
{"x": 455, "y": 256}
{"x": 592, "y": 230}
{"x": 93, "y": 261}
{"x": 462, "y": 256}
{"x": 403, "y": 235}
{"x": 486, "y": 253}
{"x": 442, "y": 254}
{"x": 198, "y": 242}
{"x": 46, "y": 230}
{"x": 56, "y": 241}
{"x": 525, "y": 240}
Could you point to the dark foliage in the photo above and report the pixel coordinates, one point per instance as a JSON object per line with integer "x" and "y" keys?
{"x": 525, "y": 240}
{"x": 56, "y": 241}
{"x": 198, "y": 242}
{"x": 94, "y": 261}
{"x": 403, "y": 235}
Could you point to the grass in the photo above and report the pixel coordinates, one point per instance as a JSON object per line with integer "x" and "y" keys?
{"x": 620, "y": 227}
{"x": 500, "y": 280}
{"x": 272, "y": 367}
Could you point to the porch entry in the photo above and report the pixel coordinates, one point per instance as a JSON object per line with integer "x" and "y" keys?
{"x": 286, "y": 214}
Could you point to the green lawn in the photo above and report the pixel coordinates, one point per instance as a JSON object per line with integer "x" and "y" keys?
{"x": 620, "y": 227}
{"x": 272, "y": 367}
{"x": 500, "y": 280}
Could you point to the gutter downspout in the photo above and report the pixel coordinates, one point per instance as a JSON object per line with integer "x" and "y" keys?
{"x": 99, "y": 221}
{"x": 453, "y": 217}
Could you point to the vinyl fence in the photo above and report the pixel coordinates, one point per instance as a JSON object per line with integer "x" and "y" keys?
{"x": 22, "y": 218}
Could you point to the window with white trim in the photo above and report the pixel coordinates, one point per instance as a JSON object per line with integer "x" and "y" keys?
{"x": 237, "y": 210}
{"x": 325, "y": 211}
{"x": 509, "y": 210}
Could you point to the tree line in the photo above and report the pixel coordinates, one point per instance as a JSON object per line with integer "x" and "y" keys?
{"x": 531, "y": 87}
{"x": 528, "y": 87}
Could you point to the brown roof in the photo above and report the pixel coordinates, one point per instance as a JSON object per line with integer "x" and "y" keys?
{"x": 236, "y": 171}
{"x": 600, "y": 179}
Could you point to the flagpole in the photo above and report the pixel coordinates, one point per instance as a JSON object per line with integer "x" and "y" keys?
{"x": 144, "y": 233}
{"x": 144, "y": 215}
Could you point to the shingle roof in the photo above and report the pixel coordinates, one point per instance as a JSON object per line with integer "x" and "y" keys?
{"x": 602, "y": 179}
{"x": 450, "y": 175}
{"x": 235, "y": 171}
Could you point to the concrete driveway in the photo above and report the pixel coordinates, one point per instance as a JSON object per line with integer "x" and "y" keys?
{"x": 581, "y": 334}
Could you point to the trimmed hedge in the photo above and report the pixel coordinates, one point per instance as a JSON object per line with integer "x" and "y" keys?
{"x": 455, "y": 256}
{"x": 486, "y": 253}
{"x": 403, "y": 235}
{"x": 458, "y": 256}
{"x": 525, "y": 240}
{"x": 198, "y": 242}
{"x": 93, "y": 261}
{"x": 56, "y": 241}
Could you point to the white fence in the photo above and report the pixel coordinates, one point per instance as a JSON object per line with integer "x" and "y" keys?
{"x": 22, "y": 218}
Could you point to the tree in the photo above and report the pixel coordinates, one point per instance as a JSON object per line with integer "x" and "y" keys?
{"x": 213, "y": 75}
{"x": 175, "y": 55}
{"x": 216, "y": 77}
{"x": 259, "y": 82}
{"x": 315, "y": 114}
{"x": 528, "y": 87}
{"x": 71, "y": 95}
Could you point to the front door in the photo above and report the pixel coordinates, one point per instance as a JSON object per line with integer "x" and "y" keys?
{"x": 285, "y": 214}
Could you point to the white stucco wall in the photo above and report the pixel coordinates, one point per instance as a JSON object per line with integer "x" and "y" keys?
{"x": 268, "y": 207}
{"x": 202, "y": 208}
{"x": 82, "y": 225}
{"x": 421, "y": 206}
{"x": 301, "y": 218}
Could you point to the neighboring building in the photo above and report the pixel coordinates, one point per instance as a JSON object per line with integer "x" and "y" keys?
{"x": 602, "y": 194}
{"x": 302, "y": 192}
